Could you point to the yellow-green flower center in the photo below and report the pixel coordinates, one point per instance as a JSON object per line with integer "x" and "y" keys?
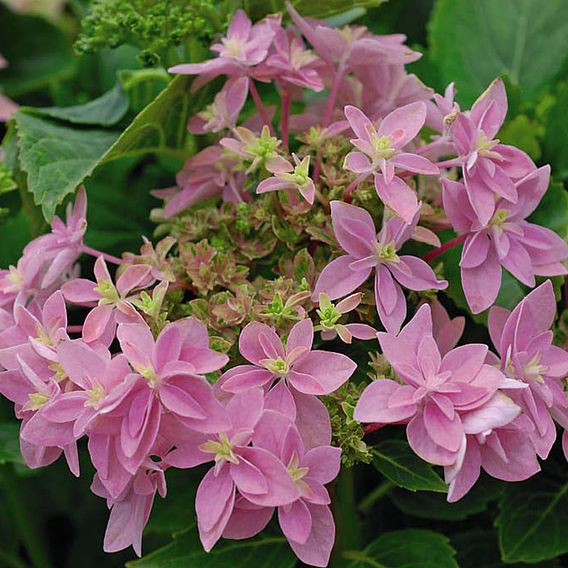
{"x": 222, "y": 448}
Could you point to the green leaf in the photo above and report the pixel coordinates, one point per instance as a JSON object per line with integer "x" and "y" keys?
{"x": 397, "y": 462}
{"x": 257, "y": 9}
{"x": 57, "y": 158}
{"x": 523, "y": 133}
{"x": 106, "y": 110}
{"x": 37, "y": 52}
{"x": 162, "y": 126}
{"x": 10, "y": 443}
{"x": 186, "y": 551}
{"x": 474, "y": 42}
{"x": 14, "y": 235}
{"x": 412, "y": 548}
{"x": 552, "y": 211}
{"x": 427, "y": 505}
{"x": 556, "y": 133}
{"x": 533, "y": 521}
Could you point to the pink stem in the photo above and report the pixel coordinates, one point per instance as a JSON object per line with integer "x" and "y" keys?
{"x": 74, "y": 328}
{"x": 96, "y": 254}
{"x": 260, "y": 106}
{"x": 453, "y": 243}
{"x": 354, "y": 184}
{"x": 285, "y": 117}
{"x": 332, "y": 98}
{"x": 449, "y": 163}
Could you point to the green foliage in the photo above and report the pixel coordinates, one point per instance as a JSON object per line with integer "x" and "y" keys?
{"x": 397, "y": 462}
{"x": 186, "y": 550}
{"x": 157, "y": 28}
{"x": 473, "y": 42}
{"x": 533, "y": 521}
{"x": 257, "y": 9}
{"x": 552, "y": 211}
{"x": 408, "y": 548}
{"x": 9, "y": 443}
{"x": 105, "y": 110}
{"x": 556, "y": 125}
{"x": 57, "y": 158}
{"x": 428, "y": 505}
{"x": 38, "y": 52}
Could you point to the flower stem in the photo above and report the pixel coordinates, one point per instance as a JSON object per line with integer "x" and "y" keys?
{"x": 332, "y": 98}
{"x": 285, "y": 117}
{"x": 376, "y": 495}
{"x": 15, "y": 500}
{"x": 260, "y": 106}
{"x": 74, "y": 329}
{"x": 108, "y": 257}
{"x": 353, "y": 185}
{"x": 449, "y": 163}
{"x": 453, "y": 243}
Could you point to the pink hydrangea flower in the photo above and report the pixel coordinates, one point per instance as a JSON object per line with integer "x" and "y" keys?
{"x": 355, "y": 231}
{"x": 526, "y": 250}
{"x": 245, "y": 46}
{"x": 224, "y": 111}
{"x": 7, "y": 106}
{"x": 352, "y": 46}
{"x": 446, "y": 331}
{"x": 114, "y": 302}
{"x": 489, "y": 168}
{"x": 60, "y": 248}
{"x": 524, "y": 341}
{"x": 288, "y": 176}
{"x": 258, "y": 475}
{"x": 434, "y": 392}
{"x": 131, "y": 510}
{"x": 304, "y": 369}
{"x": 307, "y": 522}
{"x": 291, "y": 63}
{"x": 382, "y": 149}
{"x": 210, "y": 173}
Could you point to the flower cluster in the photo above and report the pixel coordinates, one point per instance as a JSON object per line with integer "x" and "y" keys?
{"x": 218, "y": 344}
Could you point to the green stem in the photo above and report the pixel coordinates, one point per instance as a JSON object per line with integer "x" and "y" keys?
{"x": 20, "y": 513}
{"x": 7, "y": 559}
{"x": 346, "y": 518}
{"x": 376, "y": 495}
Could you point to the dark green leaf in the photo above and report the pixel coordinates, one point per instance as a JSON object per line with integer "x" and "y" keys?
{"x": 474, "y": 42}
{"x": 186, "y": 551}
{"x": 434, "y": 506}
{"x": 10, "y": 443}
{"x": 556, "y": 134}
{"x": 552, "y": 211}
{"x": 56, "y": 158}
{"x": 533, "y": 521}
{"x": 397, "y": 462}
{"x": 162, "y": 126}
{"x": 14, "y": 235}
{"x": 406, "y": 549}
{"x": 257, "y": 9}
{"x": 104, "y": 111}
{"x": 37, "y": 52}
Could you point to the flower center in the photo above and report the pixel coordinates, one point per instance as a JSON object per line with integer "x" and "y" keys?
{"x": 233, "y": 47}
{"x": 296, "y": 472}
{"x": 36, "y": 400}
{"x": 42, "y": 336}
{"x": 382, "y": 146}
{"x": 484, "y": 145}
{"x": 95, "y": 395}
{"x": 222, "y": 448}
{"x": 387, "y": 252}
{"x": 277, "y": 367}
{"x": 109, "y": 294}
{"x": 533, "y": 369}
{"x": 149, "y": 374}
{"x": 264, "y": 146}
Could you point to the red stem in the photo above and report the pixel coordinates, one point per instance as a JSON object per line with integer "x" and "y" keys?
{"x": 260, "y": 106}
{"x": 453, "y": 243}
{"x": 74, "y": 328}
{"x": 285, "y": 117}
{"x": 108, "y": 257}
{"x": 367, "y": 429}
{"x": 332, "y": 98}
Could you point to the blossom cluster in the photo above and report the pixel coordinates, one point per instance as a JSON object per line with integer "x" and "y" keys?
{"x": 212, "y": 345}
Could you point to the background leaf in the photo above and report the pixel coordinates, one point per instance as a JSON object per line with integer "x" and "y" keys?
{"x": 10, "y": 443}
{"x": 474, "y": 42}
{"x": 533, "y": 521}
{"x": 397, "y": 462}
{"x": 57, "y": 158}
{"x": 105, "y": 110}
{"x": 408, "y": 548}
{"x": 186, "y": 550}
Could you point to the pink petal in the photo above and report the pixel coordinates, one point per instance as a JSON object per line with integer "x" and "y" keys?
{"x": 373, "y": 405}
{"x": 353, "y": 228}
{"x": 481, "y": 284}
{"x": 337, "y": 279}
{"x": 330, "y": 370}
{"x": 398, "y": 197}
{"x": 423, "y": 445}
{"x": 295, "y": 521}
{"x": 259, "y": 341}
{"x": 404, "y": 122}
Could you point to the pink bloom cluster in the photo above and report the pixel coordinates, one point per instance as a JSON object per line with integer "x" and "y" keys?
{"x": 467, "y": 408}
{"x": 148, "y": 405}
